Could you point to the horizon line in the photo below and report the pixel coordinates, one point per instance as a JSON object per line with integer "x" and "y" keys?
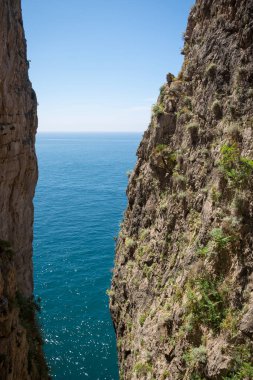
{"x": 86, "y": 132}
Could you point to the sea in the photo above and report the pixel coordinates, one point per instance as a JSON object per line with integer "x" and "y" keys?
{"x": 79, "y": 204}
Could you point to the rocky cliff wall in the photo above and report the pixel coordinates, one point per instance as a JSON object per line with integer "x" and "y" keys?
{"x": 182, "y": 291}
{"x": 20, "y": 342}
{"x": 18, "y": 124}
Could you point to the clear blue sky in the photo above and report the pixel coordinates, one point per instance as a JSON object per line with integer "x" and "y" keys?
{"x": 97, "y": 65}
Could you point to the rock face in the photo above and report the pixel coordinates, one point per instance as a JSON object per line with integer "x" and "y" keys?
{"x": 182, "y": 289}
{"x": 18, "y": 124}
{"x": 20, "y": 342}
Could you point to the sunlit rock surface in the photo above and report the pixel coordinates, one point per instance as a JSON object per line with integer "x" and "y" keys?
{"x": 181, "y": 295}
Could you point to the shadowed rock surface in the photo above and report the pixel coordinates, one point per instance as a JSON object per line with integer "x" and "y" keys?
{"x": 21, "y": 355}
{"x": 182, "y": 291}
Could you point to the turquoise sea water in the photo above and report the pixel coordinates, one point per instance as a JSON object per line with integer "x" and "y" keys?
{"x": 79, "y": 203}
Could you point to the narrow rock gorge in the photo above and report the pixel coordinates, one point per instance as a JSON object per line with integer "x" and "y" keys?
{"x": 21, "y": 354}
{"x": 182, "y": 291}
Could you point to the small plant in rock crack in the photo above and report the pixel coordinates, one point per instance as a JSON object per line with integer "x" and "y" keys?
{"x": 215, "y": 195}
{"x": 158, "y": 109}
{"x": 203, "y": 251}
{"x": 160, "y": 148}
{"x": 129, "y": 243}
{"x": 168, "y": 158}
{"x": 143, "y": 318}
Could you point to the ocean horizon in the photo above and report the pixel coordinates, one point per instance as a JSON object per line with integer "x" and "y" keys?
{"x": 79, "y": 203}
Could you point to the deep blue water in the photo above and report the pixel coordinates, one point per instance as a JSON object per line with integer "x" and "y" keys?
{"x": 79, "y": 204}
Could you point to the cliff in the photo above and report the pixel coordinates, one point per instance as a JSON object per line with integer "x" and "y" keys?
{"x": 20, "y": 342}
{"x": 182, "y": 291}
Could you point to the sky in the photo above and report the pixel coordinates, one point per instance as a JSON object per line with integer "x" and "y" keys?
{"x": 97, "y": 65}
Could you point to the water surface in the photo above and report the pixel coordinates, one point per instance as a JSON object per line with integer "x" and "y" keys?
{"x": 79, "y": 203}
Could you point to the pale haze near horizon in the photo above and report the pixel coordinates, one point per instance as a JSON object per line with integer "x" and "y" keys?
{"x": 98, "y": 66}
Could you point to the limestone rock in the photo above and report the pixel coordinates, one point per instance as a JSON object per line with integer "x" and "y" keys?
{"x": 246, "y": 325}
{"x": 18, "y": 121}
{"x": 21, "y": 354}
{"x": 180, "y": 297}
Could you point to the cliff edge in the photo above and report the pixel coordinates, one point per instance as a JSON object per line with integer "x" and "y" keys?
{"x": 182, "y": 291}
{"x": 21, "y": 355}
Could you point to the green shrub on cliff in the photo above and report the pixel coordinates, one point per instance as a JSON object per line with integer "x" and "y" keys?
{"x": 242, "y": 364}
{"x": 220, "y": 238}
{"x": 230, "y": 323}
{"x": 158, "y": 109}
{"x": 206, "y": 304}
{"x": 160, "y": 148}
{"x": 195, "y": 355}
{"x": 143, "y": 368}
{"x": 237, "y": 169}
{"x": 195, "y": 376}
{"x": 244, "y": 372}
{"x": 129, "y": 243}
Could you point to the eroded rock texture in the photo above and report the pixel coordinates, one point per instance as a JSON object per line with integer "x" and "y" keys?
{"x": 182, "y": 290}
{"x": 20, "y": 343}
{"x": 18, "y": 124}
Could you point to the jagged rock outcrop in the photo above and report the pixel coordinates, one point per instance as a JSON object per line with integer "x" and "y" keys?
{"x": 182, "y": 291}
{"x": 21, "y": 355}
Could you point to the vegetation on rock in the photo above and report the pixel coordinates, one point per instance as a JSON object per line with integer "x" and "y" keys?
{"x": 182, "y": 300}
